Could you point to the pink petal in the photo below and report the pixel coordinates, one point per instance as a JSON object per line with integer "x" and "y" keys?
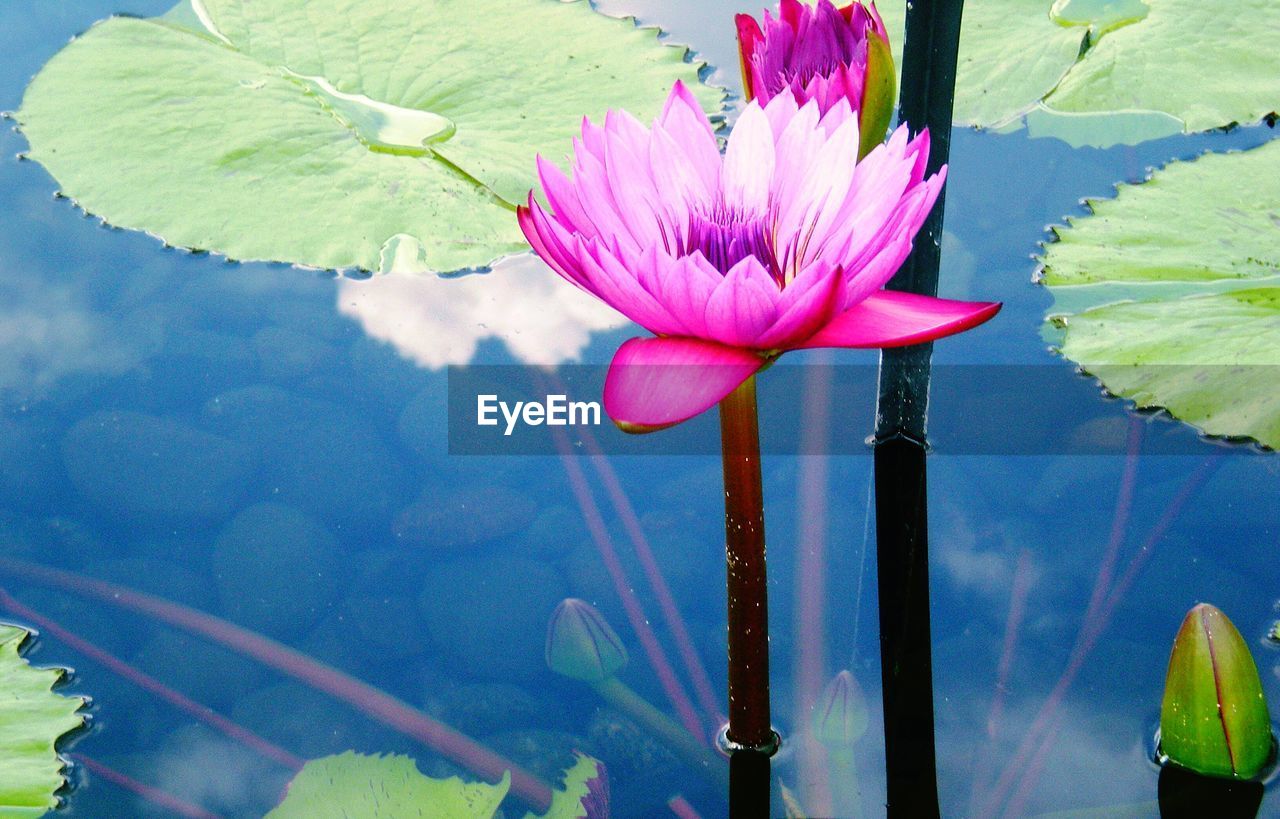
{"x": 748, "y": 162}
{"x": 807, "y": 304}
{"x": 798, "y": 146}
{"x": 539, "y": 231}
{"x": 892, "y": 319}
{"x": 631, "y": 180}
{"x": 591, "y": 179}
{"x": 875, "y": 273}
{"x": 743, "y": 305}
{"x": 781, "y": 111}
{"x": 563, "y": 197}
{"x": 750, "y": 38}
{"x": 684, "y": 286}
{"x": 615, "y": 284}
{"x": 814, "y": 206}
{"x": 688, "y": 125}
{"x": 677, "y": 180}
{"x": 881, "y": 256}
{"x": 658, "y": 382}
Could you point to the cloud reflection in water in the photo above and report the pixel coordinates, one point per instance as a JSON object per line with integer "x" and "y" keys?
{"x": 436, "y": 322}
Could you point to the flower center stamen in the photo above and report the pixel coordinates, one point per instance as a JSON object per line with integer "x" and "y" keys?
{"x": 726, "y": 235}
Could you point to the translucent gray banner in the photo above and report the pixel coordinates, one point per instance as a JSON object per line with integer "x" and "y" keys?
{"x": 973, "y": 410}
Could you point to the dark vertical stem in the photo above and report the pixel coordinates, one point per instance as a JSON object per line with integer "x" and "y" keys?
{"x": 749, "y": 724}
{"x": 902, "y": 550}
{"x": 749, "y": 775}
{"x": 902, "y": 543}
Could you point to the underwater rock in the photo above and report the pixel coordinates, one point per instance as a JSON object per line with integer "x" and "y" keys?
{"x": 208, "y": 673}
{"x": 277, "y": 570}
{"x": 160, "y": 577}
{"x": 465, "y": 517}
{"x": 183, "y": 372}
{"x": 203, "y": 767}
{"x": 491, "y": 614}
{"x": 316, "y": 455}
{"x": 477, "y": 709}
{"x": 30, "y": 472}
{"x": 35, "y": 537}
{"x": 127, "y": 462}
{"x": 554, "y": 533}
{"x": 381, "y": 608}
{"x": 312, "y": 724}
{"x": 422, "y": 423}
{"x": 390, "y": 378}
{"x": 547, "y": 754}
{"x": 288, "y": 355}
{"x": 632, "y": 756}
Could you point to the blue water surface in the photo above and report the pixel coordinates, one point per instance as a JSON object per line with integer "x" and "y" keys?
{"x": 268, "y": 445}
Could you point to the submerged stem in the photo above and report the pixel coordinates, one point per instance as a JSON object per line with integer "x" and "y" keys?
{"x": 749, "y": 723}
{"x": 696, "y": 754}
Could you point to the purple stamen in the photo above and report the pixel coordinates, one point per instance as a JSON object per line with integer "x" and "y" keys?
{"x": 725, "y": 235}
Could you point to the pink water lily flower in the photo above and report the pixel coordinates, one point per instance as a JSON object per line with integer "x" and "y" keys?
{"x": 823, "y": 53}
{"x": 783, "y": 243}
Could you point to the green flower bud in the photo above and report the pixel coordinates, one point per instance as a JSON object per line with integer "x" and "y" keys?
{"x": 1214, "y": 719}
{"x": 581, "y": 645}
{"x": 840, "y": 717}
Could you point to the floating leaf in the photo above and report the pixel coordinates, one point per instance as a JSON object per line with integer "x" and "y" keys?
{"x": 387, "y": 787}
{"x": 375, "y": 134}
{"x": 584, "y": 793}
{"x": 1170, "y": 293}
{"x": 1101, "y": 72}
{"x": 32, "y": 717}
{"x": 1214, "y": 718}
{"x": 392, "y": 787}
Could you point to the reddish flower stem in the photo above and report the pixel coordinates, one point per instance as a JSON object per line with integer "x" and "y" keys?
{"x": 1021, "y": 589}
{"x": 156, "y": 796}
{"x": 681, "y": 807}
{"x": 1022, "y": 577}
{"x": 749, "y": 723}
{"x": 1119, "y": 524}
{"x": 693, "y": 666}
{"x": 1043, "y": 727}
{"x": 373, "y": 702}
{"x": 653, "y": 650}
{"x": 148, "y": 683}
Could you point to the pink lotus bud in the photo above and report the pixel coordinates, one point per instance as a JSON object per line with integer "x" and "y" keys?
{"x": 822, "y": 53}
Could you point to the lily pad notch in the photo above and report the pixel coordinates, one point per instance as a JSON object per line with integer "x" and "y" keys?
{"x": 33, "y": 717}
{"x": 387, "y": 136}
{"x": 1169, "y": 293}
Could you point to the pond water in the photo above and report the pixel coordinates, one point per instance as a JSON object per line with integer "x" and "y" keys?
{"x": 268, "y": 445}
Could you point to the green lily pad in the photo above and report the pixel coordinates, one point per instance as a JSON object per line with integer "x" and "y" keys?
{"x": 388, "y": 787}
{"x": 32, "y": 718}
{"x": 1102, "y": 72}
{"x": 392, "y": 787}
{"x": 1170, "y": 292}
{"x": 372, "y": 134}
{"x": 569, "y": 800}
